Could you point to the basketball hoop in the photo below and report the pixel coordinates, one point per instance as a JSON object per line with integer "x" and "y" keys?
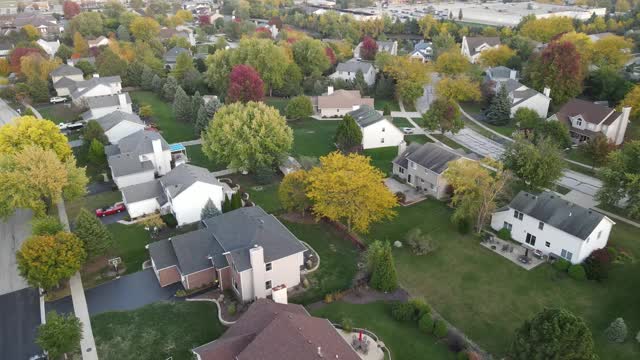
{"x": 115, "y": 262}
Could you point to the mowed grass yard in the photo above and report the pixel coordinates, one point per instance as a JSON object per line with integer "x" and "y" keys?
{"x": 313, "y": 137}
{"x": 198, "y": 158}
{"x": 488, "y": 297}
{"x": 172, "y": 130}
{"x": 157, "y": 331}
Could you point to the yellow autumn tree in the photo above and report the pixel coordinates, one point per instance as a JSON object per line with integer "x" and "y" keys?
{"x": 612, "y": 52}
{"x": 292, "y": 192}
{"x": 452, "y": 62}
{"x": 632, "y": 99}
{"x": 583, "y": 45}
{"x": 460, "y": 88}
{"x": 348, "y": 188}
{"x": 80, "y": 45}
{"x": 496, "y": 56}
{"x": 25, "y": 131}
{"x": 544, "y": 29}
{"x": 34, "y": 66}
{"x": 410, "y": 76}
{"x": 144, "y": 28}
{"x": 31, "y": 32}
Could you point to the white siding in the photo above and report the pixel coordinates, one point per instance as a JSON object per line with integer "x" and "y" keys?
{"x": 100, "y": 112}
{"x": 187, "y": 206}
{"x": 246, "y": 285}
{"x": 538, "y": 103}
{"x": 381, "y": 134}
{"x": 141, "y": 208}
{"x": 285, "y": 271}
{"x": 122, "y": 129}
{"x": 133, "y": 179}
{"x": 163, "y": 165}
{"x": 369, "y": 76}
{"x": 78, "y": 77}
{"x": 98, "y": 90}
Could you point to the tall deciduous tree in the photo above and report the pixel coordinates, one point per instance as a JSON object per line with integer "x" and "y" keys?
{"x": 61, "y": 334}
{"x": 144, "y": 28}
{"x": 298, "y": 108}
{"x": 544, "y": 29}
{"x": 460, "y": 88}
{"x": 452, "y": 62}
{"x": 46, "y": 260}
{"x": 621, "y": 178}
{"x": 109, "y": 63}
{"x": 35, "y": 66}
{"x": 341, "y": 185}
{"x": 553, "y": 334}
{"x": 499, "y": 111}
{"x": 245, "y": 85}
{"x": 597, "y": 149}
{"x": 496, "y": 56}
{"x": 476, "y": 190}
{"x": 80, "y": 45}
{"x": 310, "y": 56}
{"x": 410, "y": 75}
{"x": 369, "y": 48}
{"x": 348, "y": 134}
{"x": 26, "y": 131}
{"x": 292, "y": 192}
{"x": 184, "y": 63}
{"x": 93, "y": 233}
{"x": 247, "y": 136}
{"x": 93, "y": 130}
{"x": 539, "y": 165}
{"x": 443, "y": 115}
{"x": 559, "y": 68}
{"x": 70, "y": 9}
{"x": 612, "y": 52}
{"x": 87, "y": 24}
{"x": 632, "y": 99}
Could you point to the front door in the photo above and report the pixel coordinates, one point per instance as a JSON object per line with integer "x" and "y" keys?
{"x": 409, "y": 179}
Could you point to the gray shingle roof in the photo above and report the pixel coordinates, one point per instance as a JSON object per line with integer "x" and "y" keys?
{"x": 140, "y": 142}
{"x": 366, "y": 115}
{"x": 96, "y": 102}
{"x": 193, "y": 250}
{"x": 553, "y": 210}
{"x": 127, "y": 164}
{"x": 172, "y": 54}
{"x": 144, "y": 191}
{"x": 185, "y": 175}
{"x": 82, "y": 87}
{"x": 500, "y": 72}
{"x": 66, "y": 70}
{"x": 162, "y": 254}
{"x": 63, "y": 83}
{"x": 112, "y": 119}
{"x": 354, "y": 66}
{"x": 431, "y": 156}
{"x": 474, "y": 42}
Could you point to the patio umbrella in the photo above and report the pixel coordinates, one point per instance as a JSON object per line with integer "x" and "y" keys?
{"x": 360, "y": 336}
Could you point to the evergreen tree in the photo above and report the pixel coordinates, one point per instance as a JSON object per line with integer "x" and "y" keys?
{"x": 385, "y": 88}
{"x": 205, "y": 114}
{"x": 170, "y": 88}
{"x": 236, "y": 200}
{"x": 226, "y": 205}
{"x": 38, "y": 89}
{"x": 93, "y": 130}
{"x": 460, "y": 14}
{"x": 147, "y": 78}
{"x": 157, "y": 84}
{"x": 617, "y": 331}
{"x": 96, "y": 155}
{"x": 93, "y": 233}
{"x": 209, "y": 210}
{"x": 133, "y": 76}
{"x": 196, "y": 103}
{"x": 348, "y": 134}
{"x": 360, "y": 84}
{"x": 181, "y": 105}
{"x": 123, "y": 33}
{"x": 384, "y": 277}
{"x": 499, "y": 111}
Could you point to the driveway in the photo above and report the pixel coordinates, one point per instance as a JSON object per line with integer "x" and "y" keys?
{"x": 112, "y": 219}
{"x": 477, "y": 143}
{"x": 423, "y": 103}
{"x": 6, "y": 113}
{"x": 13, "y": 232}
{"x": 127, "y": 293}
{"x": 98, "y": 187}
{"x": 19, "y": 320}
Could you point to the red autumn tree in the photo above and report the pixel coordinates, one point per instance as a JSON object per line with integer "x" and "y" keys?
{"x": 70, "y": 9}
{"x": 204, "y": 20}
{"x": 330, "y": 55}
{"x": 369, "y": 48}
{"x": 245, "y": 85}
{"x": 17, "y": 54}
{"x": 559, "y": 68}
{"x": 263, "y": 33}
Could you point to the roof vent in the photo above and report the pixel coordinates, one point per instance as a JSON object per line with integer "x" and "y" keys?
{"x": 319, "y": 351}
{"x": 169, "y": 239}
{"x": 570, "y": 213}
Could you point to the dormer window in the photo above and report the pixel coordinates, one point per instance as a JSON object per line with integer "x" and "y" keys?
{"x": 578, "y": 122}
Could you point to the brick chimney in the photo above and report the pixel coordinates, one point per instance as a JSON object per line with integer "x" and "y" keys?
{"x": 546, "y": 91}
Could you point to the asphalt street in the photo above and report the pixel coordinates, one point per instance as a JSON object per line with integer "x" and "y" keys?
{"x": 19, "y": 320}
{"x": 13, "y": 232}
{"x": 6, "y": 113}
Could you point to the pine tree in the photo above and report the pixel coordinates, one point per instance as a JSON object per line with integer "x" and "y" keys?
{"x": 209, "y": 210}
{"x": 460, "y": 14}
{"x": 181, "y": 105}
{"x": 147, "y": 78}
{"x": 123, "y": 33}
{"x": 348, "y": 134}
{"x": 499, "y": 111}
{"x": 196, "y": 103}
{"x": 617, "y": 331}
{"x": 134, "y": 74}
{"x": 236, "y": 200}
{"x": 96, "y": 155}
{"x": 93, "y": 233}
{"x": 170, "y": 88}
{"x": 384, "y": 277}
{"x": 205, "y": 115}
{"x": 360, "y": 84}
{"x": 226, "y": 205}
{"x": 157, "y": 84}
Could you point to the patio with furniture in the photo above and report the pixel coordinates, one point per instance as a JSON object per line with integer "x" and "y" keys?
{"x": 412, "y": 195}
{"x": 365, "y": 346}
{"x": 516, "y": 253}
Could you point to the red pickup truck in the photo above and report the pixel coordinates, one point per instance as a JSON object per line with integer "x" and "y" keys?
{"x": 116, "y": 208}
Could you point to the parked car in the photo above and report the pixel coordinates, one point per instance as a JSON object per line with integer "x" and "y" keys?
{"x": 57, "y": 99}
{"x": 408, "y": 130}
{"x": 71, "y": 126}
{"x": 114, "y": 209}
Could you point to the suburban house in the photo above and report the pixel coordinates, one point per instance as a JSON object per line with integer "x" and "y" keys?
{"x": 337, "y": 103}
{"x": 390, "y": 47}
{"x": 120, "y": 124}
{"x": 276, "y": 331}
{"x": 64, "y": 78}
{"x": 138, "y": 158}
{"x": 521, "y": 96}
{"x": 245, "y": 250}
{"x": 105, "y": 104}
{"x": 183, "y": 191}
{"x": 5, "y": 49}
{"x": 171, "y": 56}
{"x": 180, "y": 31}
{"x": 553, "y": 225}
{"x": 347, "y": 71}
{"x": 97, "y": 42}
{"x": 74, "y": 61}
{"x": 423, "y": 167}
{"x": 46, "y": 25}
{"x": 422, "y": 51}
{"x": 473, "y": 46}
{"x": 50, "y": 47}
{"x": 377, "y": 131}
{"x": 96, "y": 86}
{"x": 587, "y": 119}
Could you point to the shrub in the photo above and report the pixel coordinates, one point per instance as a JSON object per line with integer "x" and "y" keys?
{"x": 462, "y": 355}
{"x": 170, "y": 220}
{"x": 181, "y": 293}
{"x": 440, "y": 329}
{"x": 402, "y": 311}
{"x": 401, "y": 197}
{"x": 561, "y": 265}
{"x": 463, "y": 225}
{"x": 425, "y": 324}
{"x": 264, "y": 175}
{"x": 504, "y": 234}
{"x": 598, "y": 264}
{"x": 46, "y": 225}
{"x": 347, "y": 324}
{"x": 328, "y": 298}
{"x": 577, "y": 272}
{"x": 420, "y": 308}
{"x": 232, "y": 308}
{"x": 419, "y": 243}
{"x": 613, "y": 252}
{"x": 386, "y": 109}
{"x": 617, "y": 331}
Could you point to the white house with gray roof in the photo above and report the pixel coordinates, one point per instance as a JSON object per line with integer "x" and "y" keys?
{"x": 347, "y": 71}
{"x": 183, "y": 191}
{"x": 64, "y": 78}
{"x": 520, "y": 95}
{"x": 245, "y": 250}
{"x": 377, "y": 131}
{"x": 138, "y": 158}
{"x": 553, "y": 225}
{"x": 96, "y": 86}
{"x": 120, "y": 124}
{"x": 423, "y": 165}
{"x": 390, "y": 47}
{"x": 473, "y": 46}
{"x": 105, "y": 104}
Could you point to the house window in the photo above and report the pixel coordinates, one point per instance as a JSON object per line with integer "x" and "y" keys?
{"x": 382, "y": 140}
{"x": 382, "y": 129}
{"x": 401, "y": 170}
{"x": 267, "y": 285}
{"x": 518, "y": 215}
{"x": 566, "y": 254}
{"x": 531, "y": 239}
{"x": 507, "y": 226}
{"x": 547, "y": 244}
{"x": 235, "y": 284}
{"x": 540, "y": 225}
{"x": 267, "y": 266}
{"x": 599, "y": 234}
{"x": 578, "y": 122}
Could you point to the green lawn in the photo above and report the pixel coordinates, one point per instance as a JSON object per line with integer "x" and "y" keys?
{"x": 94, "y": 171}
{"x": 475, "y": 109}
{"x": 420, "y": 139}
{"x": 338, "y": 260}
{"x": 382, "y": 157}
{"x": 91, "y": 203}
{"x": 379, "y": 104}
{"x": 278, "y": 103}
{"x": 198, "y": 158}
{"x": 488, "y": 297}
{"x": 582, "y": 169}
{"x": 266, "y": 196}
{"x": 130, "y": 242}
{"x": 576, "y": 154}
{"x": 401, "y": 122}
{"x": 157, "y": 331}
{"x": 403, "y": 338}
{"x": 58, "y": 113}
{"x": 313, "y": 137}
{"x": 172, "y": 130}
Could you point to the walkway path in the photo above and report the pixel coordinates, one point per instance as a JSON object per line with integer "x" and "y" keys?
{"x": 479, "y": 123}
{"x": 423, "y": 103}
{"x": 87, "y": 343}
{"x": 192, "y": 142}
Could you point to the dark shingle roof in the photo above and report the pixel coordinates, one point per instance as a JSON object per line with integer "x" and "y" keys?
{"x": 553, "y": 210}
{"x": 162, "y": 254}
{"x": 144, "y": 191}
{"x": 183, "y": 176}
{"x": 112, "y": 119}
{"x": 66, "y": 70}
{"x": 366, "y": 115}
{"x": 127, "y": 164}
{"x": 591, "y": 112}
{"x": 354, "y": 66}
{"x": 141, "y": 142}
{"x": 431, "y": 156}
{"x": 474, "y": 42}
{"x": 64, "y": 82}
{"x": 95, "y": 102}
{"x": 192, "y": 250}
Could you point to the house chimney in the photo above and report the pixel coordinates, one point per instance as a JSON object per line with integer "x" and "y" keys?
{"x": 320, "y": 351}
{"x": 512, "y": 74}
{"x": 157, "y": 156}
{"x": 122, "y": 101}
{"x": 256, "y": 259}
{"x": 96, "y": 75}
{"x": 329, "y": 90}
{"x": 622, "y": 127}
{"x": 402, "y": 147}
{"x": 546, "y": 91}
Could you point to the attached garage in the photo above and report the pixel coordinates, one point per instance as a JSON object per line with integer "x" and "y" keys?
{"x": 143, "y": 199}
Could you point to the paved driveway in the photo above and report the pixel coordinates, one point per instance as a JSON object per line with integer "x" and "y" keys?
{"x": 13, "y": 232}
{"x": 423, "y": 103}
{"x": 6, "y": 113}
{"x": 477, "y": 143}
{"x": 19, "y": 320}
{"x": 127, "y": 293}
